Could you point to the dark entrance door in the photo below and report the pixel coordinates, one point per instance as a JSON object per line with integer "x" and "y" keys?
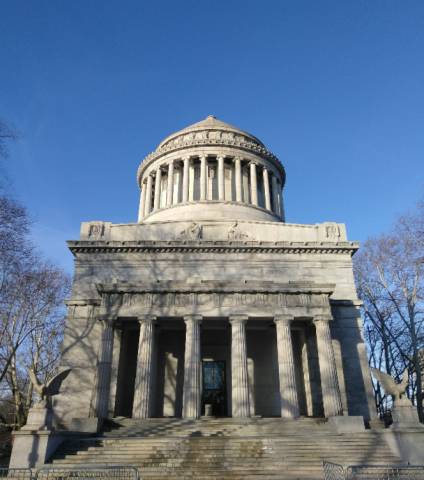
{"x": 214, "y": 391}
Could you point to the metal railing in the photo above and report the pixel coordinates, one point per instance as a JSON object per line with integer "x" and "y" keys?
{"x": 15, "y": 473}
{"x": 92, "y": 472}
{"x": 334, "y": 471}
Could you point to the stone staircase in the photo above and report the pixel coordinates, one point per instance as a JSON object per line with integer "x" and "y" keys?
{"x": 224, "y": 448}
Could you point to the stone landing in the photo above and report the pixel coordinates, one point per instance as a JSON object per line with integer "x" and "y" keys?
{"x": 225, "y": 448}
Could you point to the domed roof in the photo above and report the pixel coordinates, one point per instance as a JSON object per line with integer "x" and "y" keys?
{"x": 210, "y": 123}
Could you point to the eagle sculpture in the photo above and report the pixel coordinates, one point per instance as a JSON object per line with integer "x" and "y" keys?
{"x": 49, "y": 389}
{"x": 389, "y": 384}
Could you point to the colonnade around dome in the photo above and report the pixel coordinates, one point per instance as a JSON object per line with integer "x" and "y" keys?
{"x": 210, "y": 177}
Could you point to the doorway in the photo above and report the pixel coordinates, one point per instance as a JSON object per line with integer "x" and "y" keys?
{"x": 214, "y": 390}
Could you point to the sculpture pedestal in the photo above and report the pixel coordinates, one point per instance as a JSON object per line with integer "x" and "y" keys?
{"x": 33, "y": 448}
{"x": 39, "y": 418}
{"x": 404, "y": 414}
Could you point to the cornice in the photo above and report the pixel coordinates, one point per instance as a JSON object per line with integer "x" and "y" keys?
{"x": 204, "y": 246}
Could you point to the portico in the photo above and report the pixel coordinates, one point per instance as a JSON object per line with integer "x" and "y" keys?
{"x": 266, "y": 354}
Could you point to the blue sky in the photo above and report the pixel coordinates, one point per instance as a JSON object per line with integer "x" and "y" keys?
{"x": 333, "y": 88}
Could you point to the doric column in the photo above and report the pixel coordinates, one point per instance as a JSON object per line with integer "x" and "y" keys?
{"x": 192, "y": 388}
{"x": 104, "y": 367}
{"x": 170, "y": 185}
{"x": 286, "y": 369}
{"x": 186, "y": 165}
{"x": 275, "y": 196}
{"x": 157, "y": 188}
{"x": 143, "y": 380}
{"x": 203, "y": 160}
{"x": 148, "y": 203}
{"x": 142, "y": 202}
{"x": 221, "y": 188}
{"x": 237, "y": 164}
{"x": 239, "y": 373}
{"x": 327, "y": 367}
{"x": 265, "y": 178}
{"x": 253, "y": 184}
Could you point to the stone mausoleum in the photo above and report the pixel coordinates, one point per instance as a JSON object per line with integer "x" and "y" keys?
{"x": 211, "y": 304}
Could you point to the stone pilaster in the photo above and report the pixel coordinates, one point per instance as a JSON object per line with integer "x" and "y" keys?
{"x": 143, "y": 380}
{"x": 104, "y": 367}
{"x": 170, "y": 184}
{"x": 286, "y": 368}
{"x": 142, "y": 202}
{"x": 148, "y": 203}
{"x": 221, "y": 185}
{"x": 239, "y": 372}
{"x": 282, "y": 210}
{"x": 203, "y": 160}
{"x": 186, "y": 166}
{"x": 327, "y": 366}
{"x": 238, "y": 182}
{"x": 265, "y": 178}
{"x": 253, "y": 184}
{"x": 157, "y": 189}
{"x": 192, "y": 359}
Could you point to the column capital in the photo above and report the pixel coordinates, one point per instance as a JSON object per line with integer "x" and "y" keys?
{"x": 220, "y": 156}
{"x": 283, "y": 318}
{"x": 203, "y": 155}
{"x": 107, "y": 319}
{"x": 193, "y": 318}
{"x": 146, "y": 318}
{"x": 238, "y": 318}
{"x": 322, "y": 318}
{"x": 186, "y": 158}
{"x": 237, "y": 158}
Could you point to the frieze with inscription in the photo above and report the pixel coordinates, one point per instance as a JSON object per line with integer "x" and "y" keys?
{"x": 181, "y": 300}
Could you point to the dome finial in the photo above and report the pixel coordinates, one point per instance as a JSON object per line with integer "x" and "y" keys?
{"x": 211, "y": 116}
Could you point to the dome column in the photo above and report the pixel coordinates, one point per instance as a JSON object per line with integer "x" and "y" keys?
{"x": 253, "y": 185}
{"x": 221, "y": 190}
{"x": 158, "y": 182}
{"x": 275, "y": 196}
{"x": 265, "y": 178}
{"x": 170, "y": 185}
{"x": 142, "y": 202}
{"x": 148, "y": 202}
{"x": 237, "y": 163}
{"x": 186, "y": 165}
{"x": 203, "y": 163}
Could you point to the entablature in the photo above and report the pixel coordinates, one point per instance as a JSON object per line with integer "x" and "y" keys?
{"x": 215, "y": 299}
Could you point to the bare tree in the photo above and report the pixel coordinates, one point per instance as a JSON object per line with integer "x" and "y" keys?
{"x": 389, "y": 272}
{"x": 31, "y": 309}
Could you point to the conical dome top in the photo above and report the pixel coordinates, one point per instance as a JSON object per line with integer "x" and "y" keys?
{"x": 210, "y": 123}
